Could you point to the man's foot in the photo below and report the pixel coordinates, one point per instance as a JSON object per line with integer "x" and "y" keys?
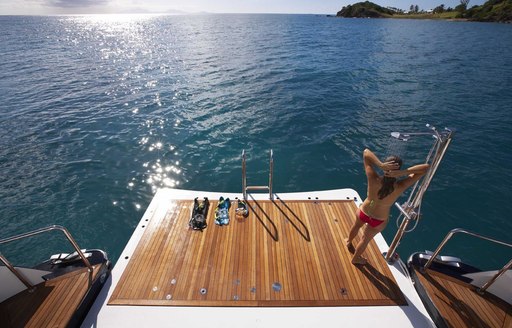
{"x": 359, "y": 261}
{"x": 349, "y": 245}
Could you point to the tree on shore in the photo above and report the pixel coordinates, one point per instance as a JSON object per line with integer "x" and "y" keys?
{"x": 463, "y": 6}
{"x": 398, "y": 10}
{"x": 439, "y": 9}
{"x": 414, "y": 8}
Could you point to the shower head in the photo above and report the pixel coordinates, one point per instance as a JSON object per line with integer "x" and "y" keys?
{"x": 400, "y": 136}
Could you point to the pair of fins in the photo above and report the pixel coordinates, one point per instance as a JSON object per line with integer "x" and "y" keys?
{"x": 222, "y": 211}
{"x": 199, "y": 214}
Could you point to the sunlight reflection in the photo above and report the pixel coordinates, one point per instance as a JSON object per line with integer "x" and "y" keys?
{"x": 116, "y": 18}
{"x": 126, "y": 41}
{"x": 135, "y": 64}
{"x": 162, "y": 176}
{"x": 161, "y": 172}
{"x": 157, "y": 145}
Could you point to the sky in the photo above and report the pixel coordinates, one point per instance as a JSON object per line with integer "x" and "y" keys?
{"x": 58, "y": 7}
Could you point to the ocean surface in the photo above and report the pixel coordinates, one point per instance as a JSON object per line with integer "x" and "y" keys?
{"x": 99, "y": 112}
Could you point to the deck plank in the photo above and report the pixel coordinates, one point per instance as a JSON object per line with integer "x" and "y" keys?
{"x": 298, "y": 244}
{"x": 342, "y": 221}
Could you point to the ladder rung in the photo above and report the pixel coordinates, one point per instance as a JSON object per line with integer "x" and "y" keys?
{"x": 256, "y": 188}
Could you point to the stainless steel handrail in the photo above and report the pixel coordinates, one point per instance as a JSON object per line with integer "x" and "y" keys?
{"x": 15, "y": 272}
{"x": 245, "y": 187}
{"x": 271, "y": 174}
{"x": 458, "y": 230}
{"x": 36, "y": 232}
{"x": 244, "y": 176}
{"x": 403, "y": 211}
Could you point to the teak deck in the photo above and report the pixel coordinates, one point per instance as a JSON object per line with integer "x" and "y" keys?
{"x": 51, "y": 304}
{"x": 284, "y": 254}
{"x": 461, "y": 306}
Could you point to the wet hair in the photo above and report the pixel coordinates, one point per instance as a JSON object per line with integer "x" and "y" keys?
{"x": 388, "y": 183}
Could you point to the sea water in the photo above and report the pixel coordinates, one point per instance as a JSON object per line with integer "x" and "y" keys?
{"x": 99, "y": 112}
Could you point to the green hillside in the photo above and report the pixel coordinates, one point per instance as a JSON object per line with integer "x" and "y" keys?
{"x": 364, "y": 10}
{"x": 491, "y": 11}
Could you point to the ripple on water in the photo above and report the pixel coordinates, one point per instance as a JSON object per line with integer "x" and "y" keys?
{"x": 99, "y": 112}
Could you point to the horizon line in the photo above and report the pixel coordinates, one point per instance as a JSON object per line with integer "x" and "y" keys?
{"x": 171, "y": 13}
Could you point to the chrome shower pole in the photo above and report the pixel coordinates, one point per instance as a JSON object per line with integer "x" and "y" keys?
{"x": 410, "y": 209}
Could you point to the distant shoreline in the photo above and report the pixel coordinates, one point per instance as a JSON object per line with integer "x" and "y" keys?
{"x": 425, "y": 18}
{"x": 499, "y": 11}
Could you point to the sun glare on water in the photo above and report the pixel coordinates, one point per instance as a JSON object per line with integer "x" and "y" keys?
{"x": 117, "y": 18}
{"x": 123, "y": 46}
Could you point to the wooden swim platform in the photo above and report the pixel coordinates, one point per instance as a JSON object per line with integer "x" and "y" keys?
{"x": 51, "y": 303}
{"x": 460, "y": 305}
{"x": 285, "y": 253}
